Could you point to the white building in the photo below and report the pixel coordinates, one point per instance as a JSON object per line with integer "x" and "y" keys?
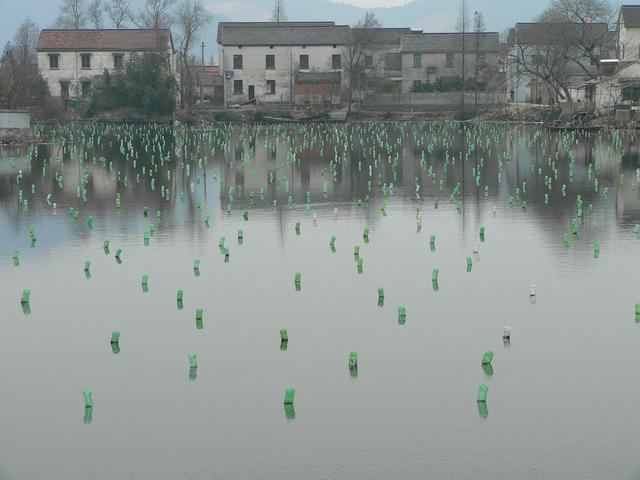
{"x": 629, "y": 33}
{"x": 262, "y": 60}
{"x": 428, "y": 57}
{"x": 72, "y": 61}
{"x": 539, "y": 50}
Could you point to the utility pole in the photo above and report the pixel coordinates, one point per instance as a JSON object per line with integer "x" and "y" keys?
{"x": 199, "y": 77}
{"x": 464, "y": 21}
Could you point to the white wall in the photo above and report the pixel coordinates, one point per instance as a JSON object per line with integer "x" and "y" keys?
{"x": 439, "y": 60}
{"x": 14, "y": 119}
{"x": 70, "y": 69}
{"x": 287, "y": 58}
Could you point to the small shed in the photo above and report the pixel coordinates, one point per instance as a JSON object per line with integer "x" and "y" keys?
{"x": 318, "y": 88}
{"x": 15, "y": 126}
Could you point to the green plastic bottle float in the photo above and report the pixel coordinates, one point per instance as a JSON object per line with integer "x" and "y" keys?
{"x": 637, "y": 312}
{"x": 298, "y": 281}
{"x": 297, "y": 228}
{"x": 115, "y": 342}
{"x": 145, "y": 283}
{"x": 596, "y": 250}
{"x": 179, "y": 298}
{"x": 105, "y": 247}
{"x": 240, "y": 237}
{"x": 289, "y": 396}
{"x": 360, "y": 267}
{"x": 365, "y": 235}
{"x": 87, "y": 266}
{"x": 284, "y": 335}
{"x": 482, "y": 234}
{"x": 245, "y": 215}
{"x": 88, "y": 398}
{"x": 402, "y": 315}
{"x": 469, "y": 264}
{"x": 16, "y": 258}
{"x": 482, "y": 393}
{"x": 487, "y": 357}
{"x": 432, "y": 243}
{"x": 353, "y": 360}
{"x": 26, "y": 296}
{"x": 381, "y": 297}
{"x": 193, "y": 366}
{"x": 199, "y": 319}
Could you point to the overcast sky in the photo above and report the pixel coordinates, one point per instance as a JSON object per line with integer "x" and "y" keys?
{"x": 431, "y": 15}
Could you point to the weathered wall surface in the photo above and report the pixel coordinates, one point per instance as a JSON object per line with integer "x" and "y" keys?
{"x": 447, "y": 99}
{"x": 15, "y": 126}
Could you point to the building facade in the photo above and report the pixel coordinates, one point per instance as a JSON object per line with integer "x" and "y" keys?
{"x": 629, "y": 33}
{"x": 261, "y": 61}
{"x": 73, "y": 61}
{"x": 429, "y": 57}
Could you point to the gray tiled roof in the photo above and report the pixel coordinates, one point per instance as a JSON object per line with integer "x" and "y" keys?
{"x": 547, "y": 33}
{"x": 287, "y": 33}
{"x": 449, "y": 42}
{"x": 385, "y": 36}
{"x": 630, "y": 15}
{"x": 104, "y": 39}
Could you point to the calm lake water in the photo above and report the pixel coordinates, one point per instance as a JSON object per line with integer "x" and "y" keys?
{"x": 563, "y": 393}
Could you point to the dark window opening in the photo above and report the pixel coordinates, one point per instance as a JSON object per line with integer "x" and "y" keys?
{"x": 336, "y": 62}
{"x": 237, "y": 62}
{"x": 304, "y": 62}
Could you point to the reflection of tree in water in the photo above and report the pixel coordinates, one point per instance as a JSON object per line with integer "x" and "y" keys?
{"x": 330, "y": 163}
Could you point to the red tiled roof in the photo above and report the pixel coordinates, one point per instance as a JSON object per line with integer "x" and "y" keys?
{"x": 109, "y": 40}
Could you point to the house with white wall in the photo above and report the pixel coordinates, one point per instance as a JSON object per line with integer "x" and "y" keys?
{"x": 629, "y": 33}
{"x": 427, "y": 57}
{"x": 263, "y": 60}
{"x": 533, "y": 49}
{"x": 73, "y": 61}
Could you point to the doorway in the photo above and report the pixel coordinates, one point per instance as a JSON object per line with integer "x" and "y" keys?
{"x": 252, "y": 92}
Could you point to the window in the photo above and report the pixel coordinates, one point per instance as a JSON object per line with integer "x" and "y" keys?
{"x": 336, "y": 62}
{"x": 482, "y": 58}
{"x": 536, "y": 59}
{"x": 450, "y": 59}
{"x": 271, "y": 62}
{"x": 85, "y": 59}
{"x": 237, "y": 87}
{"x": 237, "y": 62}
{"x": 368, "y": 61}
{"x": 304, "y": 62}
{"x": 118, "y": 60}
{"x": 271, "y": 87}
{"x": 54, "y": 61}
{"x": 86, "y": 88}
{"x": 417, "y": 60}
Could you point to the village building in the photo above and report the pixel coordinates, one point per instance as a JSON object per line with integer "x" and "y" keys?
{"x": 207, "y": 83}
{"x": 431, "y": 57}
{"x": 281, "y": 62}
{"x": 533, "y": 49}
{"x": 382, "y": 60}
{"x": 629, "y": 33}
{"x": 72, "y": 62}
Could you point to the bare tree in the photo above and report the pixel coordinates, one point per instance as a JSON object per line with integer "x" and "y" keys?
{"x": 463, "y": 27}
{"x": 191, "y": 18}
{"x": 72, "y": 14}
{"x": 155, "y": 14}
{"x": 478, "y": 28}
{"x": 20, "y": 83}
{"x": 95, "y": 14}
{"x": 360, "y": 45}
{"x": 25, "y": 41}
{"x": 578, "y": 11}
{"x": 119, "y": 12}
{"x": 279, "y": 14}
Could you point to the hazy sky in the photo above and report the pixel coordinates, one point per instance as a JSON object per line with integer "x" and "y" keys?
{"x": 431, "y": 15}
